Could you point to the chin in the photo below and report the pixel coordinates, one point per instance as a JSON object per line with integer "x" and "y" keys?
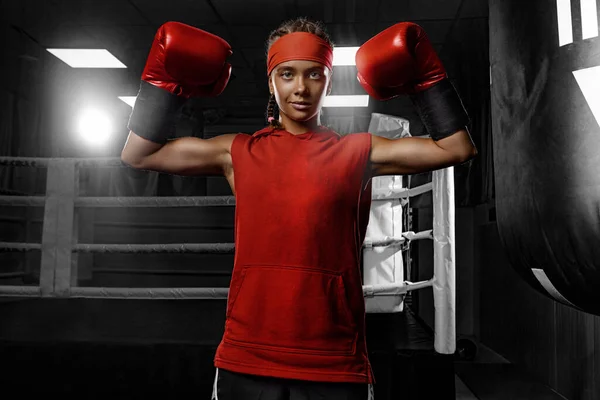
{"x": 301, "y": 116}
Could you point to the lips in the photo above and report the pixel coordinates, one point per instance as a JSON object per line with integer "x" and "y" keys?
{"x": 300, "y": 105}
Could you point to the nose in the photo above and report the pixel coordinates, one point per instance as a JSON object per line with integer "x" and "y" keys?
{"x": 300, "y": 85}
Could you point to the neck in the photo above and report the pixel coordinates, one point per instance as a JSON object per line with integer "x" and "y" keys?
{"x": 299, "y": 127}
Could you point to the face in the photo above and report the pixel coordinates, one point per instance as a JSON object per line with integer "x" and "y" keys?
{"x": 300, "y": 88}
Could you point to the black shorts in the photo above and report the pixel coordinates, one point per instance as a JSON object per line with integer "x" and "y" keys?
{"x": 234, "y": 386}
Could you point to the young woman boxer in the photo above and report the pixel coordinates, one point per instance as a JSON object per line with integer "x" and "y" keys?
{"x": 295, "y": 319}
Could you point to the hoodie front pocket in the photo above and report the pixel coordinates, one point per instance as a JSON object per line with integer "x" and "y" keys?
{"x": 292, "y": 309}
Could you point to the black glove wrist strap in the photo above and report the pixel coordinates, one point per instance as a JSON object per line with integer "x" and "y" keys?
{"x": 441, "y": 110}
{"x": 153, "y": 114}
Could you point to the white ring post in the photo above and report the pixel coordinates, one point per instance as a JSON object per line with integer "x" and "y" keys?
{"x": 58, "y": 231}
{"x": 444, "y": 295}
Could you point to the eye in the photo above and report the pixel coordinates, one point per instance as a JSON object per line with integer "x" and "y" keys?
{"x": 286, "y": 74}
{"x": 315, "y": 74}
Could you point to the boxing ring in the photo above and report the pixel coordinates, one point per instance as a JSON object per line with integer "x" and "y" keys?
{"x": 58, "y": 247}
{"x": 384, "y": 286}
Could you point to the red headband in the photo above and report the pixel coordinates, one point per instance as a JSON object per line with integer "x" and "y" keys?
{"x": 299, "y": 46}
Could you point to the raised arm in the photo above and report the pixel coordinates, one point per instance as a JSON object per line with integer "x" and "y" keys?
{"x": 184, "y": 62}
{"x": 184, "y": 156}
{"x": 401, "y": 61}
{"x": 413, "y": 155}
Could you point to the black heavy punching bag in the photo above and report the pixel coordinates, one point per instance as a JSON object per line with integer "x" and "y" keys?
{"x": 545, "y": 70}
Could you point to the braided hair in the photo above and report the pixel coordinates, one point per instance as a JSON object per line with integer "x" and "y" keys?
{"x": 301, "y": 24}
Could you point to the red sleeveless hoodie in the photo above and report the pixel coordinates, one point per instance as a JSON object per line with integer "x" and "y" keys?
{"x": 295, "y": 308}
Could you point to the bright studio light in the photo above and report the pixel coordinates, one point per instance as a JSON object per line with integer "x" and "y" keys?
{"x": 344, "y": 55}
{"x": 94, "y": 127}
{"x": 87, "y": 58}
{"x": 346, "y": 101}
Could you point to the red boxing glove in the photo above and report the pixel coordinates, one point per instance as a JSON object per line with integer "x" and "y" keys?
{"x": 183, "y": 62}
{"x": 399, "y": 60}
{"x": 187, "y": 61}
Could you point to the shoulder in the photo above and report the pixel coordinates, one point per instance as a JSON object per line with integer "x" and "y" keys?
{"x": 264, "y": 131}
{"x": 242, "y": 140}
{"x": 247, "y": 137}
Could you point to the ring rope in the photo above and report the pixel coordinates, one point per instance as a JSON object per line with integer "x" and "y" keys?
{"x": 19, "y": 247}
{"x": 44, "y": 162}
{"x": 198, "y": 201}
{"x": 170, "y": 272}
{"x": 219, "y": 293}
{"x": 155, "y": 201}
{"x": 34, "y": 201}
{"x": 198, "y": 248}
{"x": 149, "y": 293}
{"x": 20, "y": 291}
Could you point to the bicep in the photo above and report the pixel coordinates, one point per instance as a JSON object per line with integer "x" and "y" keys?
{"x": 191, "y": 156}
{"x": 409, "y": 155}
